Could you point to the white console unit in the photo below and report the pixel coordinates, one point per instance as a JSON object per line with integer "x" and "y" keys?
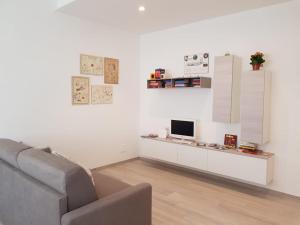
{"x": 256, "y": 169}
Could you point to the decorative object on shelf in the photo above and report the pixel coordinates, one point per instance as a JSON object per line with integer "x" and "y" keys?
{"x": 111, "y": 71}
{"x": 227, "y": 54}
{"x": 159, "y": 73}
{"x": 102, "y": 94}
{"x": 230, "y": 141}
{"x": 212, "y": 145}
{"x": 152, "y": 76}
{"x": 80, "y": 90}
{"x": 91, "y": 65}
{"x": 153, "y": 135}
{"x": 248, "y": 147}
{"x": 201, "y": 144}
{"x": 163, "y": 133}
{"x": 196, "y": 64}
{"x": 257, "y": 60}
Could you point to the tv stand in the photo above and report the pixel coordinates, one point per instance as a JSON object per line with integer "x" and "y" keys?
{"x": 230, "y": 163}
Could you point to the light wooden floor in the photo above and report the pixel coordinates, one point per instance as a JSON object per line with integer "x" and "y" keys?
{"x": 182, "y": 198}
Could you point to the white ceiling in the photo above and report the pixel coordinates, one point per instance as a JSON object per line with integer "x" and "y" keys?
{"x": 159, "y": 14}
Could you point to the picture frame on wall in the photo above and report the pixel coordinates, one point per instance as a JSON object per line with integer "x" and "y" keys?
{"x": 111, "y": 71}
{"x": 91, "y": 65}
{"x": 102, "y": 94}
{"x": 196, "y": 64}
{"x": 80, "y": 90}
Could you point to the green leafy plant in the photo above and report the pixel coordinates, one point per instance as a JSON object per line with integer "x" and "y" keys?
{"x": 257, "y": 58}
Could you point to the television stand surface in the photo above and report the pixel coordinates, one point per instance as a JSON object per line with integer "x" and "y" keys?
{"x": 182, "y": 141}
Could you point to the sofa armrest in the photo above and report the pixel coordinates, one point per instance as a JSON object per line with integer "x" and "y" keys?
{"x": 132, "y": 206}
{"x": 107, "y": 185}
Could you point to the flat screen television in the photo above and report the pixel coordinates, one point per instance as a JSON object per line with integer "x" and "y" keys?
{"x": 184, "y": 129}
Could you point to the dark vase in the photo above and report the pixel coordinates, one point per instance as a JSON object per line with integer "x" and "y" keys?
{"x": 256, "y": 66}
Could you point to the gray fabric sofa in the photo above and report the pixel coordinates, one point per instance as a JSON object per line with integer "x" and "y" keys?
{"x": 39, "y": 188}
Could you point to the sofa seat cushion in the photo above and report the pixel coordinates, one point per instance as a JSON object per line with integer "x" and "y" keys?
{"x": 9, "y": 151}
{"x": 62, "y": 175}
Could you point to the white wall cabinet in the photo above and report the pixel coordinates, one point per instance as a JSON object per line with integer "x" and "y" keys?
{"x": 250, "y": 169}
{"x": 255, "y": 106}
{"x": 226, "y": 89}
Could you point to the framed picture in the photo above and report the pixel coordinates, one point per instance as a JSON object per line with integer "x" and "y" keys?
{"x": 80, "y": 90}
{"x": 91, "y": 65}
{"x": 230, "y": 141}
{"x": 196, "y": 64}
{"x": 111, "y": 71}
{"x": 102, "y": 94}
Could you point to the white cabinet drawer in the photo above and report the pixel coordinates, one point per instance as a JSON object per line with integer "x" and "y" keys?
{"x": 249, "y": 169}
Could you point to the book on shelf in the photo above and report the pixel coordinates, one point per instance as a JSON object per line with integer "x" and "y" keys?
{"x": 154, "y": 84}
{"x": 181, "y": 83}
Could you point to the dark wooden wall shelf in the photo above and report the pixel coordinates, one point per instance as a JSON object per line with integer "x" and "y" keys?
{"x": 182, "y": 82}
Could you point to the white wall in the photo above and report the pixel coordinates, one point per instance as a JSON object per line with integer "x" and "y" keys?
{"x": 273, "y": 30}
{"x": 39, "y": 52}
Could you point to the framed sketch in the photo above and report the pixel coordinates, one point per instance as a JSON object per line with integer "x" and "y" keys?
{"x": 80, "y": 90}
{"x": 91, "y": 65}
{"x": 196, "y": 64}
{"x": 102, "y": 94}
{"x": 111, "y": 71}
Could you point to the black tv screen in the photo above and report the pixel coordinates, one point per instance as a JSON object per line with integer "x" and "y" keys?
{"x": 181, "y": 127}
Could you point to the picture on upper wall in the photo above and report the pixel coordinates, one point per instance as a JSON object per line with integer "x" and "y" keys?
{"x": 80, "y": 90}
{"x": 196, "y": 64}
{"x": 91, "y": 65}
{"x": 111, "y": 71}
{"x": 102, "y": 94}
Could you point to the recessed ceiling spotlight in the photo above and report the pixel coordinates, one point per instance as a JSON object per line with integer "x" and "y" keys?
{"x": 142, "y": 8}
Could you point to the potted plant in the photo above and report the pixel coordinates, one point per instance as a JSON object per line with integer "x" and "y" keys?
{"x": 257, "y": 60}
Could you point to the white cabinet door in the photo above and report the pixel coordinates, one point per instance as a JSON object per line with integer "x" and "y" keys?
{"x": 226, "y": 89}
{"x": 192, "y": 157}
{"x": 255, "y": 107}
{"x": 159, "y": 150}
{"x": 222, "y": 89}
{"x": 239, "y": 167}
{"x": 148, "y": 149}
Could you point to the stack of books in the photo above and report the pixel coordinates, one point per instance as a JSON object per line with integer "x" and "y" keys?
{"x": 168, "y": 84}
{"x": 154, "y": 84}
{"x": 248, "y": 147}
{"x": 196, "y": 83}
{"x": 182, "y": 83}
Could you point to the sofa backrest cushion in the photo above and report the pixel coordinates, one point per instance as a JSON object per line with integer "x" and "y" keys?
{"x": 9, "y": 151}
{"x": 62, "y": 175}
{"x": 25, "y": 200}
